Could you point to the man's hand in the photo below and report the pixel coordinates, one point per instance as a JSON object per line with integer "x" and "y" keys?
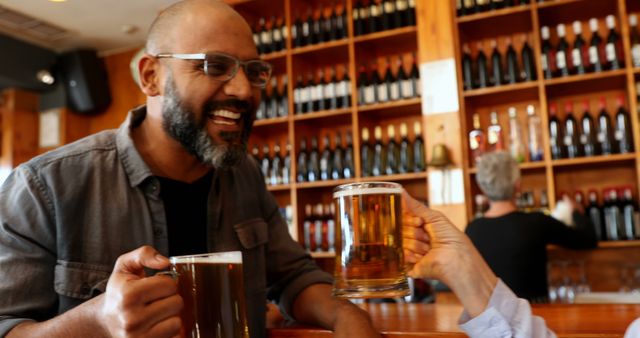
{"x": 138, "y": 306}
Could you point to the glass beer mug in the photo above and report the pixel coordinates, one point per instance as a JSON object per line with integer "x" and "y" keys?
{"x": 369, "y": 258}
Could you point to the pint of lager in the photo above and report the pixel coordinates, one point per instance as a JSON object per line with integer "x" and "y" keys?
{"x": 369, "y": 258}
{"x": 211, "y": 286}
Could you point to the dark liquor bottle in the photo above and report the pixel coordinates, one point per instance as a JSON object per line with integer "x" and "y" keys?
{"x": 579, "y": 52}
{"x": 402, "y": 12}
{"x": 265, "y": 164}
{"x": 382, "y": 87}
{"x": 396, "y": 15}
{"x": 360, "y": 16}
{"x": 307, "y": 33}
{"x": 277, "y": 42}
{"x": 286, "y": 166}
{"x": 311, "y": 91}
{"x": 635, "y": 40}
{"x": 460, "y": 8}
{"x": 318, "y": 102}
{"x": 477, "y": 142}
{"x": 562, "y": 64}
{"x": 594, "y": 213}
{"x": 588, "y": 136}
{"x": 337, "y": 167}
{"x": 414, "y": 75}
{"x": 628, "y": 214}
{"x": 612, "y": 215}
{"x": 298, "y": 95}
{"x": 481, "y": 66}
{"x": 405, "y": 164}
{"x": 548, "y": 57}
{"x": 623, "y": 136}
{"x": 556, "y": 134}
{"x": 296, "y": 32}
{"x": 613, "y": 48}
{"x": 596, "y": 48}
{"x": 388, "y": 12}
{"x": 283, "y": 105}
{"x": 275, "y": 172}
{"x": 274, "y": 99}
{"x": 265, "y": 37}
{"x": 301, "y": 163}
{"x": 469, "y": 7}
{"x": 326, "y": 160}
{"x": 366, "y": 88}
{"x": 313, "y": 169}
{"x": 393, "y": 86}
{"x": 467, "y": 68}
{"x": 512, "y": 73}
{"x": 419, "y": 158}
{"x": 366, "y": 154}
{"x": 528, "y": 63}
{"x": 378, "y": 154}
{"x": 406, "y": 84}
{"x": 343, "y": 90}
{"x": 605, "y": 130}
{"x": 496, "y": 65}
{"x": 571, "y": 133}
{"x": 375, "y": 16}
{"x": 393, "y": 154}
{"x": 317, "y": 34}
{"x": 328, "y": 25}
{"x": 340, "y": 23}
{"x": 330, "y": 98}
{"x": 348, "y": 169}
{"x": 256, "y": 38}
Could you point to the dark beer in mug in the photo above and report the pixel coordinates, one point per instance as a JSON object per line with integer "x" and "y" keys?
{"x": 211, "y": 286}
{"x": 369, "y": 258}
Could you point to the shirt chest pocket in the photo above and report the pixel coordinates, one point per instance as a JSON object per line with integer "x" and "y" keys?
{"x": 80, "y": 280}
{"x": 252, "y": 233}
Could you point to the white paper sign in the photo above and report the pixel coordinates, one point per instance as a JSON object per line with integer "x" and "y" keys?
{"x": 50, "y": 128}
{"x": 439, "y": 87}
{"x": 446, "y": 186}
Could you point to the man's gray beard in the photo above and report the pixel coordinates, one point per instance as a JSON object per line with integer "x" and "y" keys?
{"x": 181, "y": 125}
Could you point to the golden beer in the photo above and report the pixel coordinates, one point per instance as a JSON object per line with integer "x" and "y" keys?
{"x": 369, "y": 258}
{"x": 211, "y": 286}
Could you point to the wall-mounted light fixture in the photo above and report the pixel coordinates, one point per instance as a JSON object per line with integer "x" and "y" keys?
{"x": 45, "y": 77}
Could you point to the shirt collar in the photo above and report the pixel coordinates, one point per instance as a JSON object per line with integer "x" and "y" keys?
{"x": 135, "y": 167}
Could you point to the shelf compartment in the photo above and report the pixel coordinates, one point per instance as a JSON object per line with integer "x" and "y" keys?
{"x": 321, "y": 47}
{"x": 394, "y": 34}
{"x": 324, "y": 184}
{"x": 270, "y": 122}
{"x": 523, "y": 166}
{"x": 408, "y": 107}
{"x": 396, "y": 177}
{"x": 322, "y": 114}
{"x": 575, "y": 79}
{"x": 509, "y": 11}
{"x": 592, "y": 84}
{"x": 503, "y": 89}
{"x": 594, "y": 159}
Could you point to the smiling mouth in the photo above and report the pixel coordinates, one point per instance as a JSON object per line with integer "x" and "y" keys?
{"x": 225, "y": 117}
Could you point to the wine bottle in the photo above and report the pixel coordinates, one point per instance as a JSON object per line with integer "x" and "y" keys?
{"x": 276, "y": 36}
{"x": 313, "y": 169}
{"x": 276, "y": 166}
{"x": 337, "y": 167}
{"x": 628, "y": 214}
{"x": 512, "y": 73}
{"x": 307, "y": 30}
{"x": 612, "y": 215}
{"x": 556, "y": 134}
{"x": 256, "y": 39}
{"x": 635, "y": 40}
{"x": 623, "y": 135}
{"x": 367, "y": 88}
{"x": 301, "y": 163}
{"x": 378, "y": 153}
{"x": 460, "y": 11}
{"x": 467, "y": 68}
{"x": 419, "y": 157}
{"x": 605, "y": 133}
{"x": 318, "y": 103}
{"x": 265, "y": 37}
{"x": 411, "y": 13}
{"x": 265, "y": 164}
{"x": 548, "y": 57}
{"x": 388, "y": 11}
{"x": 469, "y": 7}
{"x": 348, "y": 167}
{"x": 308, "y": 227}
{"x": 274, "y": 99}
{"x": 398, "y": 12}
{"x": 477, "y": 142}
{"x": 366, "y": 154}
{"x": 261, "y": 112}
{"x": 496, "y": 64}
{"x": 588, "y": 136}
{"x": 534, "y": 125}
{"x": 481, "y": 66}
{"x": 495, "y": 140}
{"x": 300, "y": 95}
{"x": 596, "y": 48}
{"x": 393, "y": 86}
{"x": 392, "y": 152}
{"x": 516, "y": 144}
{"x": 255, "y": 153}
{"x": 330, "y": 99}
{"x": 283, "y": 104}
{"x": 339, "y": 24}
{"x": 286, "y": 165}
{"x": 317, "y": 33}
{"x": 528, "y": 63}
{"x": 296, "y": 32}
{"x": 562, "y": 65}
{"x": 358, "y": 21}
{"x": 406, "y": 84}
{"x": 579, "y": 51}
{"x": 382, "y": 90}
{"x": 343, "y": 90}
{"x": 405, "y": 164}
{"x": 613, "y": 48}
{"x": 594, "y": 213}
{"x": 482, "y": 5}
{"x": 402, "y": 12}
{"x": 571, "y": 132}
{"x": 375, "y": 14}
{"x": 414, "y": 75}
{"x": 496, "y": 4}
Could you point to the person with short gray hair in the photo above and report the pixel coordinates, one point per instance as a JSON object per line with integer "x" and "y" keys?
{"x": 514, "y": 242}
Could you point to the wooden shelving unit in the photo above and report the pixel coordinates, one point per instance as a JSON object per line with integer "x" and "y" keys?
{"x": 595, "y": 159}
{"x": 577, "y": 79}
{"x": 269, "y": 122}
{"x": 524, "y": 9}
{"x": 504, "y": 89}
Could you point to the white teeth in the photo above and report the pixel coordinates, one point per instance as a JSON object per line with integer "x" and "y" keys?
{"x": 226, "y": 113}
{"x": 227, "y": 123}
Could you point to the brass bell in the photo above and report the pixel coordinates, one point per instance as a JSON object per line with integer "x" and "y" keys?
{"x": 440, "y": 156}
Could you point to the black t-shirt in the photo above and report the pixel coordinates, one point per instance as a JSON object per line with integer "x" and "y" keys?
{"x": 515, "y": 247}
{"x": 185, "y": 206}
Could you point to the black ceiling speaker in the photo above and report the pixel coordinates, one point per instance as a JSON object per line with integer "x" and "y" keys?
{"x": 85, "y": 81}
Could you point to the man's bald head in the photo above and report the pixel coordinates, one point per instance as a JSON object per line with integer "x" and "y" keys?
{"x": 161, "y": 33}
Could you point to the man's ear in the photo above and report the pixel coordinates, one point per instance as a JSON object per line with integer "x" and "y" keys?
{"x": 149, "y": 70}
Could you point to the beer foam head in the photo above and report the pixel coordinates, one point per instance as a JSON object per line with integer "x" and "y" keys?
{"x": 368, "y": 188}
{"x": 230, "y": 257}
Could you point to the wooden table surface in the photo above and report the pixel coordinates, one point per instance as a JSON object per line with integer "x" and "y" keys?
{"x": 441, "y": 320}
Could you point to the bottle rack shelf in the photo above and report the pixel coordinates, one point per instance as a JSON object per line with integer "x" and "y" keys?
{"x": 523, "y": 9}
{"x": 595, "y": 159}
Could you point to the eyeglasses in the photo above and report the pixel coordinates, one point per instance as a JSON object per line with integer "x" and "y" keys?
{"x": 223, "y": 67}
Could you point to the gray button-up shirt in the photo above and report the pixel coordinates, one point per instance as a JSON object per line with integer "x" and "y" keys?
{"x": 67, "y": 215}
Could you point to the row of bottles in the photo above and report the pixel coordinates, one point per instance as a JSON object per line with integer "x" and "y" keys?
{"x": 327, "y": 25}
{"x": 617, "y": 217}
{"x": 270, "y": 36}
{"x": 468, "y": 7}
{"x": 589, "y": 137}
{"x": 373, "y": 88}
{"x": 274, "y": 102}
{"x": 580, "y": 57}
{"x": 319, "y": 228}
{"x": 330, "y": 164}
{"x": 525, "y": 201}
{"x": 318, "y": 93}
{"x": 275, "y": 168}
{"x": 392, "y": 158}
{"x": 481, "y": 142}
{"x": 382, "y": 15}
{"x": 501, "y": 69}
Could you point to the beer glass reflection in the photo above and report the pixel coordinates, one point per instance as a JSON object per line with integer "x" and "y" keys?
{"x": 369, "y": 259}
{"x": 211, "y": 286}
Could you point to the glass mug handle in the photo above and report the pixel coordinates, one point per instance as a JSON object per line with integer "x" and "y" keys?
{"x": 170, "y": 273}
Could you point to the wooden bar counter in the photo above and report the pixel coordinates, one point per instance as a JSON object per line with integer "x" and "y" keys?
{"x": 441, "y": 320}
